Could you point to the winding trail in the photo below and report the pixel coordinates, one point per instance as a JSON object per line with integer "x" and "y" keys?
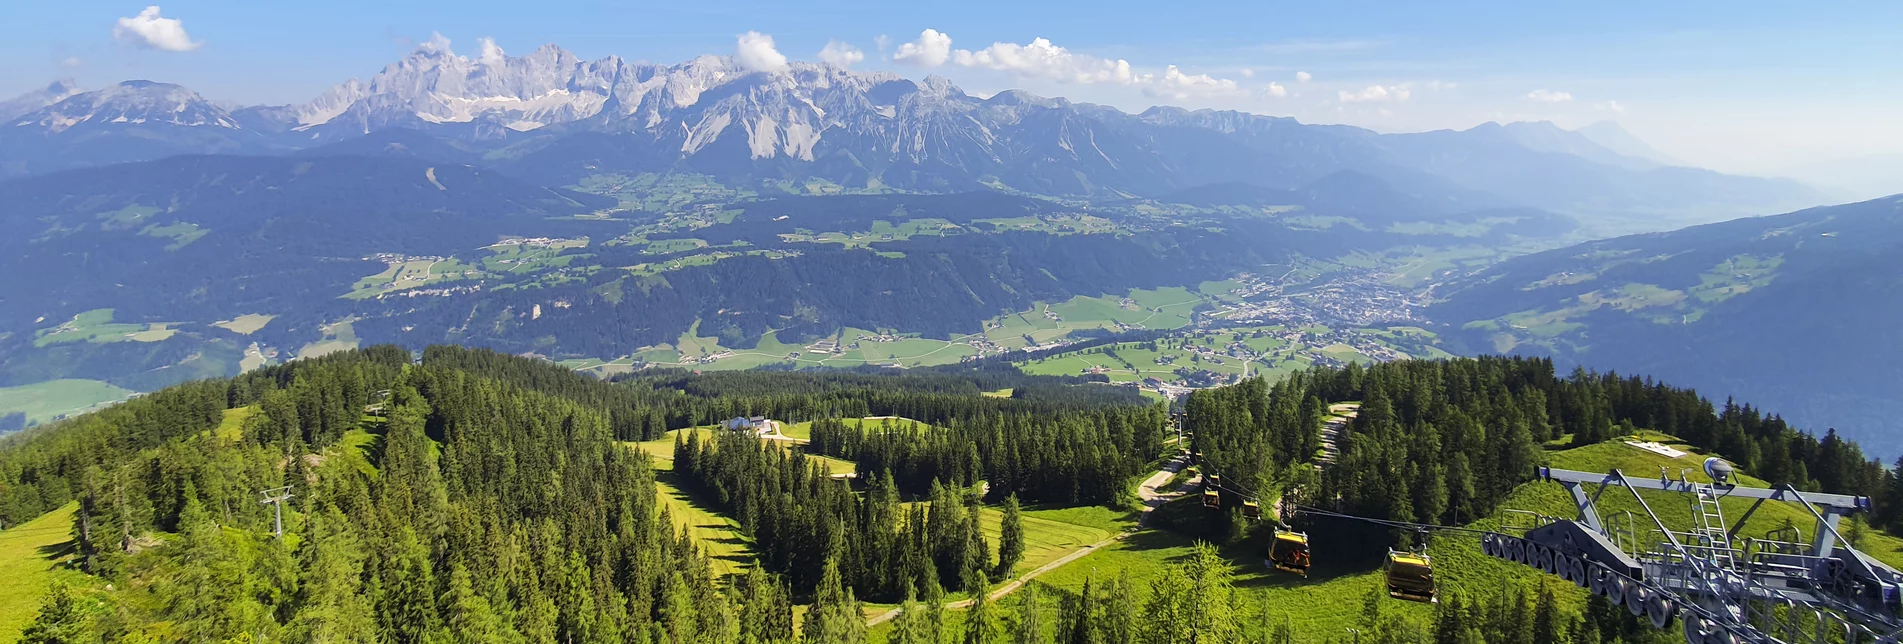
{"x": 1152, "y": 499}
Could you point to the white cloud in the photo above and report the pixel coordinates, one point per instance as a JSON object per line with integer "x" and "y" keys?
{"x": 436, "y": 43}
{"x": 1610, "y": 106}
{"x": 1548, "y": 96}
{"x": 1178, "y": 85}
{"x": 883, "y": 41}
{"x": 930, "y": 50}
{"x": 1303, "y": 77}
{"x": 1041, "y": 59}
{"x": 71, "y": 62}
{"x": 840, "y": 54}
{"x": 755, "y": 52}
{"x": 1376, "y": 94}
{"x": 1277, "y": 90}
{"x": 491, "y": 52}
{"x": 148, "y": 29}
{"x": 1248, "y": 73}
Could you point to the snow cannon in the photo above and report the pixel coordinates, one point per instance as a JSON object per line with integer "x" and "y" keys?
{"x": 1718, "y": 470}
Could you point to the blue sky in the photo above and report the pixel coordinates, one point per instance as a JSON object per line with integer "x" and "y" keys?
{"x": 1740, "y": 86}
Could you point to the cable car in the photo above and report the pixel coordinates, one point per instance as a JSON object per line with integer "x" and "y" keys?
{"x": 1411, "y": 576}
{"x": 1211, "y": 498}
{"x": 1289, "y": 552}
{"x": 1251, "y": 509}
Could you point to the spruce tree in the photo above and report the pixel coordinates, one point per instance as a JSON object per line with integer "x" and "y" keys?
{"x": 60, "y": 620}
{"x": 1165, "y": 617}
{"x": 469, "y": 616}
{"x": 1546, "y": 618}
{"x": 912, "y": 624}
{"x": 1209, "y": 605}
{"x": 934, "y": 608}
{"x": 835, "y": 616}
{"x": 978, "y": 626}
{"x": 1010, "y": 538}
{"x": 1029, "y": 625}
{"x": 1119, "y": 612}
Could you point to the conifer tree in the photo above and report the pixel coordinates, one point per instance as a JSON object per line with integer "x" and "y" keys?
{"x": 1209, "y": 605}
{"x": 1547, "y": 622}
{"x": 912, "y": 625}
{"x": 1165, "y": 618}
{"x": 835, "y": 617}
{"x": 331, "y": 606}
{"x": 60, "y": 620}
{"x": 978, "y": 620}
{"x": 1119, "y": 612}
{"x": 934, "y": 600}
{"x": 469, "y": 616}
{"x": 1029, "y": 625}
{"x": 1010, "y": 538}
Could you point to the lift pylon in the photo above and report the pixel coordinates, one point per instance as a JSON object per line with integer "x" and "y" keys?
{"x": 1721, "y": 586}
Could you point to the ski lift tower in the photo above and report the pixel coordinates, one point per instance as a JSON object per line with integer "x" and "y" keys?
{"x": 1724, "y": 587}
{"x": 276, "y": 498}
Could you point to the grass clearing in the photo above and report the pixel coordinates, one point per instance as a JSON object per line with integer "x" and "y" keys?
{"x": 406, "y": 273}
{"x": 97, "y": 326}
{"x": 231, "y": 427}
{"x": 1045, "y": 540}
{"x": 719, "y": 536}
{"x": 32, "y": 556}
{"x": 337, "y": 337}
{"x": 47, "y": 401}
{"x": 246, "y": 324}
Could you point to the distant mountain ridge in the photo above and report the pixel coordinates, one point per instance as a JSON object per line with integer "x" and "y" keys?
{"x": 553, "y": 118}
{"x": 1794, "y": 312}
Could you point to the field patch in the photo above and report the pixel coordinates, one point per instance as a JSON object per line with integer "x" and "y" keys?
{"x": 404, "y": 273}
{"x": 246, "y": 324}
{"x": 337, "y": 337}
{"x": 97, "y": 326}
{"x": 46, "y": 401}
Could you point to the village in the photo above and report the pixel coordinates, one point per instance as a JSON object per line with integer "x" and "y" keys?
{"x": 1350, "y": 297}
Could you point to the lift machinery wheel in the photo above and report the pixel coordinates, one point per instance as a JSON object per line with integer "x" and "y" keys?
{"x": 1616, "y": 587}
{"x": 1660, "y": 609}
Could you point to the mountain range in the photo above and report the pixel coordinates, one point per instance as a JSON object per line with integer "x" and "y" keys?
{"x": 706, "y": 200}
{"x": 554, "y": 119}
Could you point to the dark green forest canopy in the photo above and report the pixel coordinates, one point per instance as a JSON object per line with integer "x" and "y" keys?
{"x": 1444, "y": 441}
{"x": 477, "y": 492}
{"x": 475, "y": 488}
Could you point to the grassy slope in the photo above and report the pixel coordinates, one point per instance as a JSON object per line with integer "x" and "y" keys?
{"x": 1045, "y": 540}
{"x": 31, "y": 557}
{"x": 718, "y": 535}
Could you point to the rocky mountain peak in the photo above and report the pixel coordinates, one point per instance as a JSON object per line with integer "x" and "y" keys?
{"x": 133, "y": 102}
{"x": 54, "y": 92}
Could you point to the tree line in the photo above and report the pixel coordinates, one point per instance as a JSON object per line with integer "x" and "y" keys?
{"x": 1068, "y": 457}
{"x": 1444, "y": 441}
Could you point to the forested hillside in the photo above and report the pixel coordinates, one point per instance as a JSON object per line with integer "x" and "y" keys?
{"x": 1444, "y": 441}
{"x": 473, "y": 496}
{"x": 1786, "y": 311}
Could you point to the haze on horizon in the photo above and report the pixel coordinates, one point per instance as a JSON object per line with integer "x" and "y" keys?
{"x": 1757, "y": 88}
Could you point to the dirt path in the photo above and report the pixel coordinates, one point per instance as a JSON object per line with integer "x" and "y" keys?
{"x": 1342, "y": 413}
{"x": 1151, "y": 500}
{"x": 1014, "y": 584}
